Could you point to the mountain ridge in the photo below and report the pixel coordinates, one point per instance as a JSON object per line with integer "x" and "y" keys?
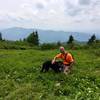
{"x": 45, "y": 36}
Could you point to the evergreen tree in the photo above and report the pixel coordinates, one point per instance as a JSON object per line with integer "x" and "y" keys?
{"x": 33, "y": 38}
{"x": 92, "y": 39}
{"x": 71, "y": 39}
{"x": 36, "y": 38}
{"x": 0, "y": 36}
{"x": 24, "y": 39}
{"x": 59, "y": 43}
{"x": 30, "y": 38}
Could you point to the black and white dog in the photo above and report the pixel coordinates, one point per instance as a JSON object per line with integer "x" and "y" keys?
{"x": 57, "y": 66}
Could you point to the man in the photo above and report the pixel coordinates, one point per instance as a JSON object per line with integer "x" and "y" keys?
{"x": 67, "y": 59}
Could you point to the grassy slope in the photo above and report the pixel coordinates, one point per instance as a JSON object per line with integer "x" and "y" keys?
{"x": 20, "y": 78}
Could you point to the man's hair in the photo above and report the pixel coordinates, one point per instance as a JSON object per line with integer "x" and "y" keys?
{"x": 62, "y": 48}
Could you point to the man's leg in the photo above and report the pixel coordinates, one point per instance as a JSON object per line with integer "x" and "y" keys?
{"x": 66, "y": 69}
{"x": 71, "y": 66}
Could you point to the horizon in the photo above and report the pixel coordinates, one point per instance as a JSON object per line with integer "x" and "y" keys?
{"x": 58, "y": 15}
{"x": 15, "y": 27}
{"x": 17, "y": 33}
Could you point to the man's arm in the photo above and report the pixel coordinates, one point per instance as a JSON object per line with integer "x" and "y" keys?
{"x": 54, "y": 59}
{"x": 71, "y": 61}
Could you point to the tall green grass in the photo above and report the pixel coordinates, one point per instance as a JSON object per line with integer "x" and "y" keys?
{"x": 20, "y": 77}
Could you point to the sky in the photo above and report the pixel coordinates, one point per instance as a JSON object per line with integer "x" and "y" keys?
{"x": 66, "y": 15}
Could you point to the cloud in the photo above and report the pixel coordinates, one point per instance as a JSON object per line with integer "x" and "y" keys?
{"x": 84, "y": 2}
{"x": 73, "y": 12}
{"x": 40, "y": 6}
{"x": 77, "y": 10}
{"x": 72, "y": 9}
{"x": 55, "y": 14}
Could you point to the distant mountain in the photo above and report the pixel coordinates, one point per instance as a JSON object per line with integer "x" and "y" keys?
{"x": 17, "y": 33}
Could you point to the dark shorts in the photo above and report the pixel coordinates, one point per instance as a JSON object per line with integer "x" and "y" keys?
{"x": 67, "y": 64}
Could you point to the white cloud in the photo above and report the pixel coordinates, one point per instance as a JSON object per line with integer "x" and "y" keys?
{"x": 55, "y": 14}
{"x": 84, "y": 2}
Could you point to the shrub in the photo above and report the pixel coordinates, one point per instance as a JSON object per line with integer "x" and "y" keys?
{"x": 48, "y": 46}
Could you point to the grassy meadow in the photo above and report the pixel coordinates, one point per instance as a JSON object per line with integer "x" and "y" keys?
{"x": 20, "y": 77}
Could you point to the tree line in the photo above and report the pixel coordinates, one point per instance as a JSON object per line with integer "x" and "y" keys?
{"x": 91, "y": 40}
{"x": 33, "y": 39}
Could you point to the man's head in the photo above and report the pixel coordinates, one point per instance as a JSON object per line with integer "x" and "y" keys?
{"x": 62, "y": 49}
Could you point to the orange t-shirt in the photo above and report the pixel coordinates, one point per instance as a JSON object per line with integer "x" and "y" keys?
{"x": 67, "y": 58}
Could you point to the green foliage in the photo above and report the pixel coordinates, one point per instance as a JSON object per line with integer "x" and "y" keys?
{"x": 59, "y": 43}
{"x": 92, "y": 39}
{"x": 33, "y": 38}
{"x": 0, "y": 36}
{"x": 36, "y": 38}
{"x": 15, "y": 45}
{"x": 20, "y": 77}
{"x": 71, "y": 39}
{"x": 48, "y": 46}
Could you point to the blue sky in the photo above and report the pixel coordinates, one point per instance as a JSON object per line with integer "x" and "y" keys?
{"x": 67, "y": 15}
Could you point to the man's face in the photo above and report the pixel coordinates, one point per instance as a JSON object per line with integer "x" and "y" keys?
{"x": 62, "y": 51}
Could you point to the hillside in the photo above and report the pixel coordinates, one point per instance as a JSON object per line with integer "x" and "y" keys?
{"x": 44, "y": 35}
{"x": 20, "y": 77}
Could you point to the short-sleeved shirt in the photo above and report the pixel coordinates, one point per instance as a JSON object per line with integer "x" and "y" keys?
{"x": 67, "y": 58}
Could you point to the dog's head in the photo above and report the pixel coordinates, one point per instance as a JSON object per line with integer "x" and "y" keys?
{"x": 59, "y": 64}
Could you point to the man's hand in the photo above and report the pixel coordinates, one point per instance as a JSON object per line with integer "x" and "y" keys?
{"x": 53, "y": 61}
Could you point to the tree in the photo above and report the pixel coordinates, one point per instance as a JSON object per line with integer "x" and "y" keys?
{"x": 0, "y": 36}
{"x": 20, "y": 40}
{"x": 92, "y": 39}
{"x": 24, "y": 39}
{"x": 36, "y": 38}
{"x": 59, "y": 43}
{"x": 33, "y": 38}
{"x": 71, "y": 39}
